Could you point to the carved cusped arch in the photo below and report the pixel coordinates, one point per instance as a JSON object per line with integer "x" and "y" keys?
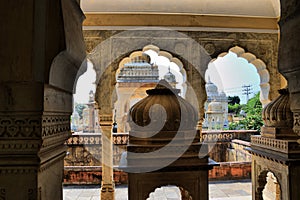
{"x": 260, "y": 67}
{"x": 267, "y": 177}
{"x": 181, "y": 49}
{"x": 159, "y": 52}
{"x": 178, "y": 192}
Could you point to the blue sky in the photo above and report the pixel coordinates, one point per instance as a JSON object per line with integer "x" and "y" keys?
{"x": 230, "y": 73}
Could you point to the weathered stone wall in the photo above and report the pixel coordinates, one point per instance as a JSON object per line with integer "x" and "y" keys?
{"x": 83, "y": 160}
{"x": 262, "y": 45}
{"x": 225, "y": 144}
{"x": 237, "y": 152}
{"x": 90, "y": 176}
{"x": 231, "y": 171}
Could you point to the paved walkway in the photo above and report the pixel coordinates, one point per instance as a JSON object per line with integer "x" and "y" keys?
{"x": 225, "y": 190}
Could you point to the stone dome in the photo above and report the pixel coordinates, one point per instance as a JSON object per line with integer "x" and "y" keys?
{"x": 170, "y": 77}
{"x": 144, "y": 58}
{"x": 211, "y": 88}
{"x": 163, "y": 107}
{"x": 277, "y": 113}
{"x": 214, "y": 107}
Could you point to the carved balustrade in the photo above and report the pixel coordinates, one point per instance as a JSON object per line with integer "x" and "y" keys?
{"x": 226, "y": 135}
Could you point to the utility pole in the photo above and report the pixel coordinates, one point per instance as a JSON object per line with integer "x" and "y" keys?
{"x": 247, "y": 90}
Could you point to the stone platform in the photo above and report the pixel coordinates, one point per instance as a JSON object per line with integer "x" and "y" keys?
{"x": 218, "y": 190}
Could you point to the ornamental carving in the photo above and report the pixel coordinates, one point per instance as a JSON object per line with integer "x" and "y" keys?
{"x": 2, "y": 193}
{"x": 83, "y": 156}
{"x": 20, "y": 127}
{"x": 220, "y": 137}
{"x": 76, "y": 140}
{"x": 210, "y": 48}
{"x": 19, "y": 146}
{"x": 270, "y": 143}
{"x": 17, "y": 171}
{"x": 296, "y": 127}
{"x": 180, "y": 48}
{"x": 284, "y": 146}
{"x": 120, "y": 139}
{"x": 278, "y": 113}
{"x": 32, "y": 194}
{"x": 55, "y": 124}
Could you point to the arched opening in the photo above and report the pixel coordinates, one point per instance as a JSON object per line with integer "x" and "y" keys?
{"x": 47, "y": 29}
{"x": 85, "y": 117}
{"x": 166, "y": 192}
{"x": 234, "y": 80}
{"x": 268, "y": 187}
{"x": 170, "y": 192}
{"x": 253, "y": 67}
{"x": 106, "y": 78}
{"x": 139, "y": 72}
{"x": 271, "y": 190}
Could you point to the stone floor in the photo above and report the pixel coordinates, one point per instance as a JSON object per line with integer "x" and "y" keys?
{"x": 225, "y": 190}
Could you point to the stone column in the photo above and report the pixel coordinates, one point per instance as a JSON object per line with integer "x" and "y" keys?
{"x": 19, "y": 164}
{"x": 107, "y": 185}
{"x": 32, "y": 142}
{"x": 55, "y": 131}
{"x": 289, "y": 63}
{"x": 276, "y": 150}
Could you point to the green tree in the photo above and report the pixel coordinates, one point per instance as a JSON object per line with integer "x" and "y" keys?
{"x": 79, "y": 109}
{"x": 235, "y": 109}
{"x": 253, "y": 119}
{"x": 234, "y": 100}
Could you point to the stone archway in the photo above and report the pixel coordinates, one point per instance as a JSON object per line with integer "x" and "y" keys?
{"x": 260, "y": 67}
{"x": 171, "y": 192}
{"x": 268, "y": 186}
{"x": 129, "y": 93}
{"x": 106, "y": 58}
{"x": 118, "y": 46}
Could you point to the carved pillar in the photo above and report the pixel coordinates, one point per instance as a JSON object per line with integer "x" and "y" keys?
{"x": 19, "y": 164}
{"x": 107, "y": 185}
{"x": 276, "y": 150}
{"x": 55, "y": 131}
{"x": 32, "y": 142}
{"x": 165, "y": 150}
{"x": 289, "y": 63}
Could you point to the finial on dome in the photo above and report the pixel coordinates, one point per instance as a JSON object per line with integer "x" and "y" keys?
{"x": 170, "y": 77}
{"x": 208, "y": 79}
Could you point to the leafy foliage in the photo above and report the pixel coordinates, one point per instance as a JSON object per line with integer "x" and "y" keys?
{"x": 234, "y": 100}
{"x": 253, "y": 119}
{"x": 235, "y": 109}
{"x": 79, "y": 109}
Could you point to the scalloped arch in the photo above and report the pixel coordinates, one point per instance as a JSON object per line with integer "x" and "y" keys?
{"x": 181, "y": 192}
{"x": 156, "y": 49}
{"x": 260, "y": 67}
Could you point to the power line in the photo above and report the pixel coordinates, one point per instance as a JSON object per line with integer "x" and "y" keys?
{"x": 247, "y": 89}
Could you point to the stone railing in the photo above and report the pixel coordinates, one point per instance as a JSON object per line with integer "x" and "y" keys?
{"x": 84, "y": 149}
{"x": 226, "y": 135}
{"x": 283, "y": 146}
{"x": 95, "y": 138}
{"x": 83, "y": 160}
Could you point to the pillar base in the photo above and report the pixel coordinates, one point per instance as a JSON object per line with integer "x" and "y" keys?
{"x": 107, "y": 192}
